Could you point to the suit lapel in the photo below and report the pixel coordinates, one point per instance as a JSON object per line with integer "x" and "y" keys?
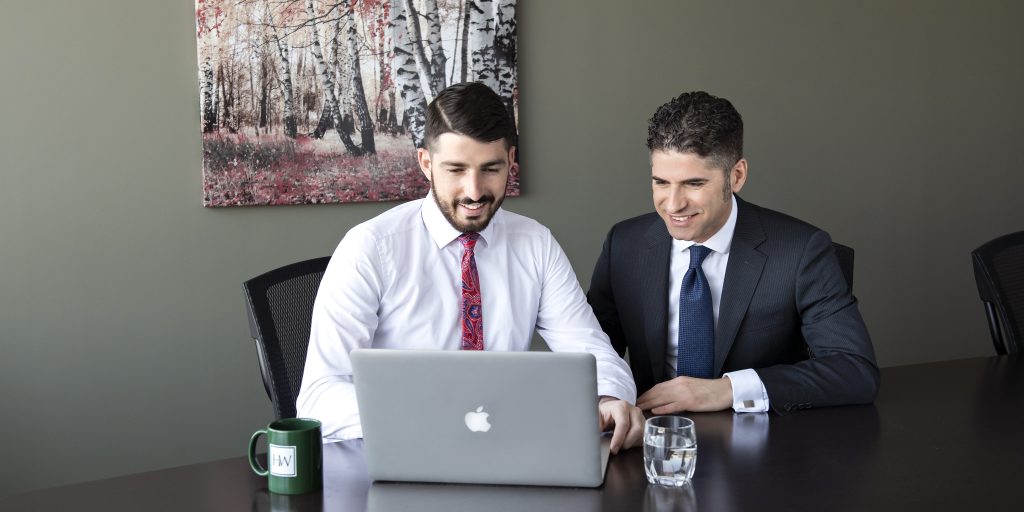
{"x": 741, "y": 277}
{"x": 652, "y": 266}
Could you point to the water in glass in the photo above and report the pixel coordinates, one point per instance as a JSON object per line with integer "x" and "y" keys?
{"x": 670, "y": 451}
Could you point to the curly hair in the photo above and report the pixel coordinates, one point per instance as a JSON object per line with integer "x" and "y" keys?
{"x": 697, "y": 122}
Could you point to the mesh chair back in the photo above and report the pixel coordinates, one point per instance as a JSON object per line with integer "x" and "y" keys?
{"x": 279, "y": 304}
{"x": 845, "y": 255}
{"x": 999, "y": 273}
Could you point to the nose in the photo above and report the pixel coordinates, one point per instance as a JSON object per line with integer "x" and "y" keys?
{"x": 472, "y": 186}
{"x": 676, "y": 200}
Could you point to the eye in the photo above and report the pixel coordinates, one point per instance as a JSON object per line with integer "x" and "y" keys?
{"x": 696, "y": 183}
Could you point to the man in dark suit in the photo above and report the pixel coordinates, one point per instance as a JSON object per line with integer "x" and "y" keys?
{"x": 722, "y": 303}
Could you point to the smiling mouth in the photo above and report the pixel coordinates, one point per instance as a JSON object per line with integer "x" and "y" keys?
{"x": 681, "y": 219}
{"x": 473, "y": 209}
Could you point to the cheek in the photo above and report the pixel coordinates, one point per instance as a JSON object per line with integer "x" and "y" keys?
{"x": 446, "y": 185}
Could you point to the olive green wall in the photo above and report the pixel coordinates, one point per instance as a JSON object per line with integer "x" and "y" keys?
{"x": 124, "y": 341}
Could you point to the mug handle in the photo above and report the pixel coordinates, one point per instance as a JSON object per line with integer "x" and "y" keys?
{"x": 253, "y": 463}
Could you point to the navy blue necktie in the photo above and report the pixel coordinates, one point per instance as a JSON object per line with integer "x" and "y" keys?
{"x": 695, "y": 356}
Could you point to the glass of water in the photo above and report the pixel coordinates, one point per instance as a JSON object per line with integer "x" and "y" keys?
{"x": 670, "y": 450}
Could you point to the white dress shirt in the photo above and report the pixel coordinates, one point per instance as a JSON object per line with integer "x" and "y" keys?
{"x": 395, "y": 280}
{"x": 748, "y": 392}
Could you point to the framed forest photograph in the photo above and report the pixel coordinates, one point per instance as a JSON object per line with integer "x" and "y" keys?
{"x": 317, "y": 101}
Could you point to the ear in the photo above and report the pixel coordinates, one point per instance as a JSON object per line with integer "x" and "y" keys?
{"x": 423, "y": 158}
{"x": 738, "y": 175}
{"x": 513, "y": 169}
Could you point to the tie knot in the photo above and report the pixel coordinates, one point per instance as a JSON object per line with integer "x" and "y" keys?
{"x": 697, "y": 255}
{"x": 469, "y": 240}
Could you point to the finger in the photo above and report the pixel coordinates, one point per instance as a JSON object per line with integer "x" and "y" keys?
{"x": 650, "y": 400}
{"x": 636, "y": 428}
{"x": 644, "y": 400}
{"x": 659, "y": 394}
{"x": 602, "y": 420}
{"x": 669, "y": 408}
{"x": 620, "y": 431}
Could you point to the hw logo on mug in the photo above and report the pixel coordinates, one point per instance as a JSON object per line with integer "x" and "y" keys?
{"x": 294, "y": 456}
{"x": 282, "y": 460}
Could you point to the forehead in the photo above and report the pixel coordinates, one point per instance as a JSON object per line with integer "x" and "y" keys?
{"x": 675, "y": 165}
{"x": 463, "y": 148}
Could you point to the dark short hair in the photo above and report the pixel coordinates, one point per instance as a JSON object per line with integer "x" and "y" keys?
{"x": 471, "y": 109}
{"x": 697, "y": 122}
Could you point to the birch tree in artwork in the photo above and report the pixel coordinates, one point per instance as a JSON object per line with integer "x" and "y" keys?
{"x": 438, "y": 60}
{"x": 284, "y": 75}
{"x": 380, "y": 38}
{"x": 358, "y": 95}
{"x": 505, "y": 52}
{"x": 338, "y": 62}
{"x": 326, "y": 121}
{"x": 407, "y": 76}
{"x": 481, "y": 42}
{"x": 208, "y": 20}
{"x": 209, "y": 117}
{"x": 464, "y": 53}
{"x": 327, "y": 82}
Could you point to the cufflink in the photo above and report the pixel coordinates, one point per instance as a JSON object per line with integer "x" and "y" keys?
{"x": 748, "y": 404}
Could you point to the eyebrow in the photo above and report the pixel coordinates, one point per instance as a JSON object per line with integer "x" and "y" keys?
{"x": 491, "y": 163}
{"x": 686, "y": 181}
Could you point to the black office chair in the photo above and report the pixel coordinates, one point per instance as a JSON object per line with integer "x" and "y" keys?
{"x": 999, "y": 272}
{"x": 279, "y": 304}
{"x": 845, "y": 255}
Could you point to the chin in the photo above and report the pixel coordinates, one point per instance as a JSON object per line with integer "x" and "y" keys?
{"x": 475, "y": 224}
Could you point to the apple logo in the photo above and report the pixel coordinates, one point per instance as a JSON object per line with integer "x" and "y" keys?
{"x": 477, "y": 421}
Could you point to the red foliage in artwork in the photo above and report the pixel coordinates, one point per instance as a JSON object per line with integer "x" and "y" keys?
{"x": 274, "y": 170}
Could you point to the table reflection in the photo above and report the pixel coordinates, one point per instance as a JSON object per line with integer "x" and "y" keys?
{"x": 387, "y": 496}
{"x": 680, "y": 499}
{"x": 738, "y": 459}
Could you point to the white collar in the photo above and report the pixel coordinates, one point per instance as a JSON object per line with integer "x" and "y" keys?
{"x": 442, "y": 232}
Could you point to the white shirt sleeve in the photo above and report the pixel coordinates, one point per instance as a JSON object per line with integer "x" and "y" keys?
{"x": 748, "y": 392}
{"x": 344, "y": 318}
{"x": 567, "y": 323}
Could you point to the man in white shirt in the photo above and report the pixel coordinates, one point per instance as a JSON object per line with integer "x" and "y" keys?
{"x": 455, "y": 271}
{"x": 719, "y": 302}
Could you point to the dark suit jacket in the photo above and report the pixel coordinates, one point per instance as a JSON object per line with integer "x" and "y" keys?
{"x": 786, "y": 310}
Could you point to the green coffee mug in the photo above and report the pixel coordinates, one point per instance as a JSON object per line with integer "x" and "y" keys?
{"x": 295, "y": 456}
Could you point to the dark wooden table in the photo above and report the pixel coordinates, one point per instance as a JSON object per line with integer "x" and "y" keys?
{"x": 941, "y": 436}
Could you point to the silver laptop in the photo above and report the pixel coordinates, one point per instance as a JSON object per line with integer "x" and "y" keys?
{"x": 521, "y": 418}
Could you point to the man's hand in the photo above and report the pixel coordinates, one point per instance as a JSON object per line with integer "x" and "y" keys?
{"x": 627, "y": 419}
{"x": 687, "y": 394}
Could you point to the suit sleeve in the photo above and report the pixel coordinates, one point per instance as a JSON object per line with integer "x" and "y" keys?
{"x": 602, "y": 300}
{"x": 841, "y": 368}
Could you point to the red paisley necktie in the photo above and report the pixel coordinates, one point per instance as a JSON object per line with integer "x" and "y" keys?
{"x": 472, "y": 311}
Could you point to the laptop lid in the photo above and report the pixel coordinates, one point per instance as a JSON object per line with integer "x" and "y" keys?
{"x": 522, "y": 418}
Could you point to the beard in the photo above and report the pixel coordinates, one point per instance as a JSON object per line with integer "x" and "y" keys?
{"x": 449, "y": 209}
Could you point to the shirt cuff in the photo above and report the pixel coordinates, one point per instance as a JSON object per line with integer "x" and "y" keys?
{"x": 616, "y": 391}
{"x": 748, "y": 392}
{"x": 345, "y": 434}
